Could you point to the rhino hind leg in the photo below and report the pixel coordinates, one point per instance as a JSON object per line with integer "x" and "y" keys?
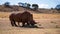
{"x": 12, "y": 23}
{"x": 15, "y": 24}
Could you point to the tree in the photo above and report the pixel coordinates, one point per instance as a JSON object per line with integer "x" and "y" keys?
{"x": 28, "y": 5}
{"x": 7, "y": 4}
{"x": 35, "y": 6}
{"x": 25, "y": 5}
{"x": 52, "y": 8}
{"x": 58, "y": 8}
{"x": 21, "y": 4}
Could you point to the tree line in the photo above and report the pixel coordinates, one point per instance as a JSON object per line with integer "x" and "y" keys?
{"x": 25, "y": 5}
{"x": 29, "y": 6}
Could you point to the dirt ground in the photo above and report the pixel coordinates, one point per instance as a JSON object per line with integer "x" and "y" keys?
{"x": 47, "y": 23}
{"x": 45, "y": 28}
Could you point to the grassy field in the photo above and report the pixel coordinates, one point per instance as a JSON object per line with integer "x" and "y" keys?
{"x": 35, "y": 15}
{"x": 49, "y": 24}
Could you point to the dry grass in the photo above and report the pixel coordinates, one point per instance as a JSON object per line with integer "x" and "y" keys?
{"x": 4, "y": 14}
{"x": 49, "y": 22}
{"x": 36, "y": 16}
{"x": 46, "y": 16}
{"x": 6, "y": 28}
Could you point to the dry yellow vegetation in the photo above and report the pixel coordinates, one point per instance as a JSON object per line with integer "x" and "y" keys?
{"x": 49, "y": 22}
{"x": 46, "y": 16}
{"x": 35, "y": 15}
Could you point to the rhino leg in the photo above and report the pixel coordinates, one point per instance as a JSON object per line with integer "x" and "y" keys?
{"x": 12, "y": 23}
{"x": 18, "y": 24}
{"x": 28, "y": 23}
{"x": 23, "y": 24}
{"x": 32, "y": 23}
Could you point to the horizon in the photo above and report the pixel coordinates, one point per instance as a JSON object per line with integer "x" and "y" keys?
{"x": 41, "y": 3}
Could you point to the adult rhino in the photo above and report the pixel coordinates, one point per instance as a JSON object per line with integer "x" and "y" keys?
{"x": 24, "y": 17}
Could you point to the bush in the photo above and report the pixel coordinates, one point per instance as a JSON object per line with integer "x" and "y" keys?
{"x": 7, "y": 4}
{"x": 35, "y": 6}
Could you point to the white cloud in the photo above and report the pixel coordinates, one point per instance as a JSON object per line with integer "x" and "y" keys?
{"x": 43, "y": 6}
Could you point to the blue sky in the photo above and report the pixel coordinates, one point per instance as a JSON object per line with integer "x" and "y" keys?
{"x": 41, "y": 3}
